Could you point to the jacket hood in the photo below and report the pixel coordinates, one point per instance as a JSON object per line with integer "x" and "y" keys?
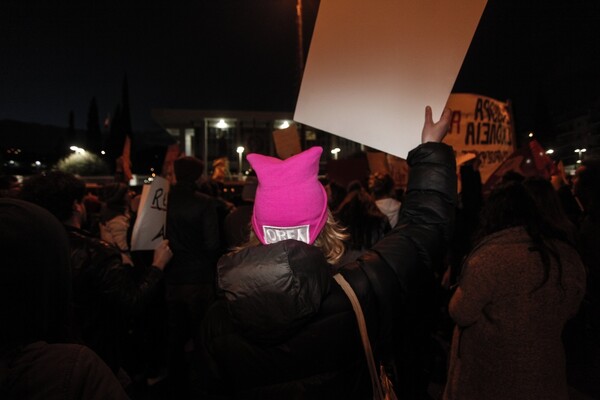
{"x": 272, "y": 290}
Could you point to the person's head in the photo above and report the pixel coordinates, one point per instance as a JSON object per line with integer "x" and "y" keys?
{"x": 335, "y": 194}
{"x": 9, "y": 186}
{"x": 552, "y": 213}
{"x": 381, "y": 185}
{"x": 59, "y": 192}
{"x": 363, "y": 220}
{"x": 511, "y": 204}
{"x": 115, "y": 198}
{"x": 188, "y": 169}
{"x": 291, "y": 203}
{"x": 508, "y": 205}
{"x": 36, "y": 283}
{"x": 115, "y": 195}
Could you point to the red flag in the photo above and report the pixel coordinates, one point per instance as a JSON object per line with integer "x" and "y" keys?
{"x": 127, "y": 159}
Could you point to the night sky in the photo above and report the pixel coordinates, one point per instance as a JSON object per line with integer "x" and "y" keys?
{"x": 241, "y": 54}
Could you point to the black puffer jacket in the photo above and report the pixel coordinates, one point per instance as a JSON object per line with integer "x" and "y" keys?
{"x": 105, "y": 293}
{"x": 284, "y": 329}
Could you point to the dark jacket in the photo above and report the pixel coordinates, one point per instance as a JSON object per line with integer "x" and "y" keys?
{"x": 285, "y": 329}
{"x": 105, "y": 292}
{"x": 35, "y": 310}
{"x": 193, "y": 234}
{"x": 43, "y": 371}
{"x": 507, "y": 341}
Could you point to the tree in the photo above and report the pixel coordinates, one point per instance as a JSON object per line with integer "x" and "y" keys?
{"x": 84, "y": 164}
{"x": 116, "y": 138}
{"x": 93, "y": 133}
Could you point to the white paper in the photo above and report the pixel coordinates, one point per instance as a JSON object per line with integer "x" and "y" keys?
{"x": 374, "y": 65}
{"x": 149, "y": 227}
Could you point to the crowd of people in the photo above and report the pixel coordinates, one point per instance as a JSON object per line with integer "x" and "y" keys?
{"x": 487, "y": 298}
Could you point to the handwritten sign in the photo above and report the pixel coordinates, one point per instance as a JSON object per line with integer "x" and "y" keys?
{"x": 481, "y": 126}
{"x": 149, "y": 228}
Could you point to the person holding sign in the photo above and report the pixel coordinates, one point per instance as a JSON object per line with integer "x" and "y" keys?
{"x": 105, "y": 294}
{"x": 283, "y": 328}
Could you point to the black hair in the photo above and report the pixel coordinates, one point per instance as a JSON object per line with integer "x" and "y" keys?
{"x": 510, "y": 205}
{"x": 363, "y": 220}
{"x": 55, "y": 191}
{"x": 382, "y": 185}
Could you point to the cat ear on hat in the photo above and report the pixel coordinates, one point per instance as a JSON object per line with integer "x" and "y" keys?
{"x": 290, "y": 201}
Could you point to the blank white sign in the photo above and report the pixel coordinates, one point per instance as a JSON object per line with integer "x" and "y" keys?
{"x": 374, "y": 65}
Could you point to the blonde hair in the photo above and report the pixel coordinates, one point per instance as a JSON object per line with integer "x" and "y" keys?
{"x": 330, "y": 240}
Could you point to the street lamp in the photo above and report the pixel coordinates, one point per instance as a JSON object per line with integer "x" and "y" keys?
{"x": 240, "y": 151}
{"x": 77, "y": 150}
{"x": 335, "y": 153}
{"x": 579, "y": 151}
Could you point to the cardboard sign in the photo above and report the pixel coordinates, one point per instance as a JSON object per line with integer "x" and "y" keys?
{"x": 374, "y": 65}
{"x": 287, "y": 142}
{"x": 149, "y": 228}
{"x": 481, "y": 126}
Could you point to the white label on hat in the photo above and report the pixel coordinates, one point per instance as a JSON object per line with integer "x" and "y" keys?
{"x": 274, "y": 234}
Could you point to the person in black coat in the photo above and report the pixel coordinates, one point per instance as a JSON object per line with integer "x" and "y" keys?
{"x": 105, "y": 291}
{"x": 193, "y": 233}
{"x": 38, "y": 358}
{"x": 284, "y": 329}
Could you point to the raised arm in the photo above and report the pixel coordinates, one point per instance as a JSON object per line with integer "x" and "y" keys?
{"x": 435, "y": 131}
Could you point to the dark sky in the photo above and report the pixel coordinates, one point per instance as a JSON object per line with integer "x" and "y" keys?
{"x": 241, "y": 54}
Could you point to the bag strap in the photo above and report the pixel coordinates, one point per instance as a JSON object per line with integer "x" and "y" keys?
{"x": 362, "y": 326}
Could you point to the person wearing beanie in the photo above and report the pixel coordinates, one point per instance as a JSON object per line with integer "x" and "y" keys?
{"x": 38, "y": 359}
{"x": 193, "y": 231}
{"x": 282, "y": 328}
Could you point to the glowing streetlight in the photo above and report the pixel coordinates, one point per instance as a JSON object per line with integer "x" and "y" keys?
{"x": 77, "y": 150}
{"x": 550, "y": 151}
{"x": 579, "y": 151}
{"x": 335, "y": 152}
{"x": 530, "y": 134}
{"x": 240, "y": 151}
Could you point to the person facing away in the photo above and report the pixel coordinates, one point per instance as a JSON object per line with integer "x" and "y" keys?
{"x": 105, "y": 294}
{"x": 282, "y": 328}
{"x": 36, "y": 359}
{"x": 363, "y": 221}
{"x": 193, "y": 233}
{"x": 519, "y": 285}
{"x": 115, "y": 218}
{"x": 382, "y": 188}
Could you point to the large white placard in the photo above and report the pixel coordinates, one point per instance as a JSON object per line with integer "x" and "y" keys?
{"x": 374, "y": 65}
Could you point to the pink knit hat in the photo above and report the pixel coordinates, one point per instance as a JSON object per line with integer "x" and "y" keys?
{"x": 290, "y": 201}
